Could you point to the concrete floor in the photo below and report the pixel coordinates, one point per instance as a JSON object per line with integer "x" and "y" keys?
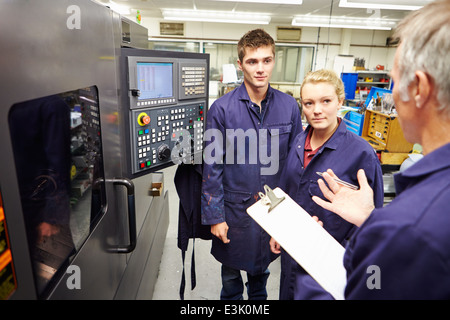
{"x": 207, "y": 267}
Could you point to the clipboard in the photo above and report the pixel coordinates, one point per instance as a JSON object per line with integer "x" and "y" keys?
{"x": 303, "y": 238}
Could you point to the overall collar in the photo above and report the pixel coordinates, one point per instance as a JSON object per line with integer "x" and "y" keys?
{"x": 332, "y": 143}
{"x": 244, "y": 97}
{"x": 243, "y": 94}
{"x": 435, "y": 161}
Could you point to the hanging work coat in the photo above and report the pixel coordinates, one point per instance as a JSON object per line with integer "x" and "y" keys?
{"x": 188, "y": 183}
{"x": 345, "y": 153}
{"x": 236, "y": 169}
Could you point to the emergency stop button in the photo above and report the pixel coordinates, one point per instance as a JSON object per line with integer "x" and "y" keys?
{"x": 143, "y": 119}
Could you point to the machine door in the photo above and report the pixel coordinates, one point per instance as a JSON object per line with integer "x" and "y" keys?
{"x": 68, "y": 212}
{"x": 59, "y": 167}
{"x": 58, "y": 158}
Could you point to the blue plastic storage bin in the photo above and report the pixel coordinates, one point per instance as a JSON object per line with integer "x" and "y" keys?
{"x": 354, "y": 122}
{"x": 349, "y": 79}
{"x": 373, "y": 92}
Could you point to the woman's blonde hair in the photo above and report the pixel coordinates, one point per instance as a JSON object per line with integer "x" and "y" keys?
{"x": 328, "y": 76}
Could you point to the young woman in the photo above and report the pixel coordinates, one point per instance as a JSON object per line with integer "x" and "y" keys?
{"x": 325, "y": 144}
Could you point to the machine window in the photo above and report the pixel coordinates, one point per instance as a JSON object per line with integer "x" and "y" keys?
{"x": 58, "y": 156}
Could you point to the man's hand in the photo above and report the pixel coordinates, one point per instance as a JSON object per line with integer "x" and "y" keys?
{"x": 220, "y": 230}
{"x": 353, "y": 206}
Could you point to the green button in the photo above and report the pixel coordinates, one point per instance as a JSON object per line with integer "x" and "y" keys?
{"x": 149, "y": 163}
{"x": 141, "y": 132}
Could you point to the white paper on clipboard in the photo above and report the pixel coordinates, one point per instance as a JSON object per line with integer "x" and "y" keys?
{"x": 305, "y": 240}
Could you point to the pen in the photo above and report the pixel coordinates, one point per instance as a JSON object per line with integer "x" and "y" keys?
{"x": 343, "y": 183}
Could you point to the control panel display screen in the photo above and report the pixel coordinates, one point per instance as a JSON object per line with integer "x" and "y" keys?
{"x": 155, "y": 80}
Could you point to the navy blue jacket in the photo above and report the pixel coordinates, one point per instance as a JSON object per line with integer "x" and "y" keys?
{"x": 188, "y": 183}
{"x": 345, "y": 153}
{"x": 408, "y": 240}
{"x": 231, "y": 186}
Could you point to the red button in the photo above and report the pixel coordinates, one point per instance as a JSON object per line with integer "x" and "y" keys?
{"x": 145, "y": 119}
{"x": 142, "y": 165}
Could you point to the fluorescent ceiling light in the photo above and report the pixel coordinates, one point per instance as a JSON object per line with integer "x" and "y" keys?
{"x": 383, "y": 4}
{"x": 215, "y": 16}
{"x": 344, "y": 22}
{"x": 268, "y": 1}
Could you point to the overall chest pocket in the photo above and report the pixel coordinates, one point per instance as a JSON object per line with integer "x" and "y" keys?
{"x": 331, "y": 221}
{"x": 314, "y": 189}
{"x": 282, "y": 132}
{"x": 236, "y": 204}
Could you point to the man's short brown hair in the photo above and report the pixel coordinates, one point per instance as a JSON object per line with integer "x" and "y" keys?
{"x": 255, "y": 39}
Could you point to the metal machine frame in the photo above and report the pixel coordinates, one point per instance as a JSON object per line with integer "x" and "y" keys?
{"x": 79, "y": 45}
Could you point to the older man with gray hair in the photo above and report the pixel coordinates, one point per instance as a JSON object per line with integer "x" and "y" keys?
{"x": 402, "y": 251}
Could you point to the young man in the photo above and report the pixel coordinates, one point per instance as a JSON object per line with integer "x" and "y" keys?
{"x": 252, "y": 128}
{"x": 402, "y": 251}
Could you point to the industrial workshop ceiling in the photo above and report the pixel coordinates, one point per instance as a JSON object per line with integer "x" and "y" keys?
{"x": 384, "y": 13}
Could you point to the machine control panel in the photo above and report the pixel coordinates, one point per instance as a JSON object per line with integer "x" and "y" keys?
{"x": 168, "y": 134}
{"x": 165, "y": 100}
{"x": 157, "y": 82}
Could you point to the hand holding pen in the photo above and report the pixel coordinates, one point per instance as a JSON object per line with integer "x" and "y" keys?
{"x": 353, "y": 205}
{"x": 341, "y": 182}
